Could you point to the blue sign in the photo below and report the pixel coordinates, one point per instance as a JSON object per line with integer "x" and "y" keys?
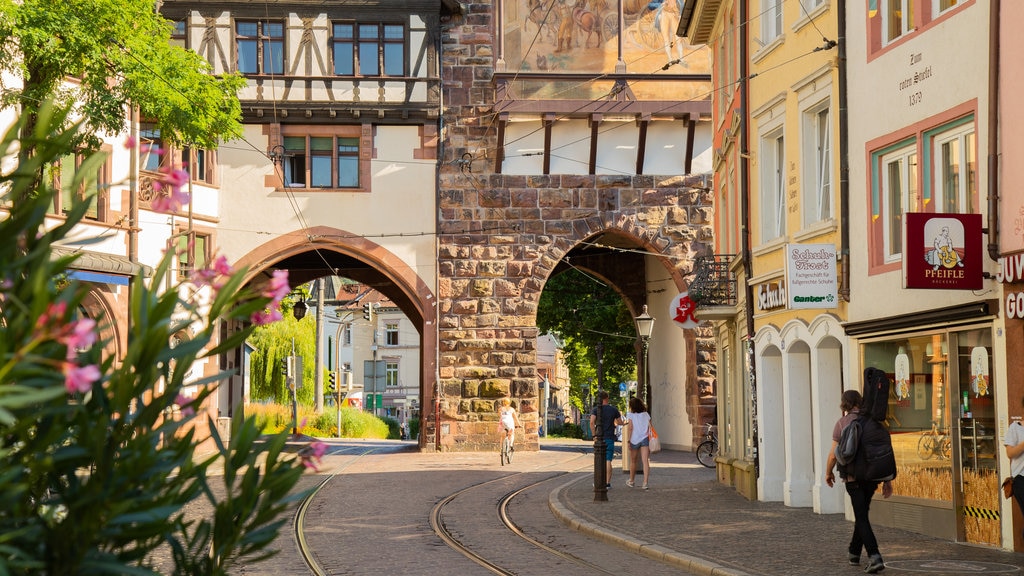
{"x": 622, "y": 387}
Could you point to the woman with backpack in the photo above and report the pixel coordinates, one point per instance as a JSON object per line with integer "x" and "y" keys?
{"x": 1014, "y": 442}
{"x": 860, "y": 492}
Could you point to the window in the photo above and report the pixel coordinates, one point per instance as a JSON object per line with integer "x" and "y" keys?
{"x": 943, "y": 5}
{"x": 897, "y": 18}
{"x": 771, "y": 20}
{"x": 956, "y": 177}
{"x": 193, "y": 249}
{"x": 199, "y": 167}
{"x": 369, "y": 49}
{"x": 390, "y": 373}
{"x": 773, "y": 200}
{"x": 899, "y": 191}
{"x": 92, "y": 190}
{"x": 391, "y": 334}
{"x": 152, "y": 151}
{"x": 178, "y": 34}
{"x": 817, "y": 147}
{"x": 260, "y": 46}
{"x": 322, "y": 160}
{"x": 348, "y": 335}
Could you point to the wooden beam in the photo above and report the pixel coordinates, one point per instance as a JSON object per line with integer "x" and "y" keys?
{"x": 595, "y": 123}
{"x": 499, "y": 155}
{"x": 641, "y": 146}
{"x": 549, "y": 121}
{"x": 691, "y": 130}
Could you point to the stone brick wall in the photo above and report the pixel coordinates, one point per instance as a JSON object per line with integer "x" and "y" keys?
{"x": 500, "y": 237}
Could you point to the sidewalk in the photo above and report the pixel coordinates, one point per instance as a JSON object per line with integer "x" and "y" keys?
{"x": 689, "y": 519}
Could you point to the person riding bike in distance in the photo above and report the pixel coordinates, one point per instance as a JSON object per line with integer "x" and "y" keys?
{"x": 508, "y": 418}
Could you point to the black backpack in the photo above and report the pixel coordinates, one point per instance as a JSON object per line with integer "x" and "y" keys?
{"x": 847, "y": 448}
{"x": 875, "y": 461}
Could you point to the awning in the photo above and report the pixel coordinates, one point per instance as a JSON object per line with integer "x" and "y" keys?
{"x": 101, "y": 262}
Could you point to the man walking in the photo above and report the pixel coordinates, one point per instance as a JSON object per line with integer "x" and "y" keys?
{"x": 610, "y": 418}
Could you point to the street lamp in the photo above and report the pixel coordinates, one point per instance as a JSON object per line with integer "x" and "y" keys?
{"x": 600, "y": 470}
{"x": 644, "y": 327}
{"x": 299, "y": 309}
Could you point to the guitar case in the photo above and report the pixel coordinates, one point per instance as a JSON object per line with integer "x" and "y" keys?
{"x": 876, "y": 394}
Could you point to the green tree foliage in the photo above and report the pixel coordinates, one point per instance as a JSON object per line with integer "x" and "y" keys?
{"x": 582, "y": 312}
{"x": 271, "y": 344}
{"x": 120, "y": 52}
{"x": 96, "y": 472}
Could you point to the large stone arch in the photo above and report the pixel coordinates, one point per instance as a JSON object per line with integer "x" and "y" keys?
{"x": 317, "y": 251}
{"x": 497, "y": 247}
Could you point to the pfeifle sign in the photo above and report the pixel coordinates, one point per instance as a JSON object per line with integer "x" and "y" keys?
{"x": 811, "y": 278}
{"x": 943, "y": 251}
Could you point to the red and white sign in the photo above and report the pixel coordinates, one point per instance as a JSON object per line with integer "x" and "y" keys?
{"x": 943, "y": 251}
{"x": 682, "y": 311}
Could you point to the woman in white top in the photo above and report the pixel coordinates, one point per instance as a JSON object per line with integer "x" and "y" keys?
{"x": 639, "y": 440}
{"x": 508, "y": 418}
{"x": 1014, "y": 442}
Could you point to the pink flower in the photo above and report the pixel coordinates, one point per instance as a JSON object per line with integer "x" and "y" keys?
{"x": 175, "y": 177}
{"x": 278, "y": 286}
{"x": 185, "y": 405}
{"x": 80, "y": 378}
{"x": 219, "y": 267}
{"x": 82, "y": 335}
{"x": 54, "y": 312}
{"x": 130, "y": 142}
{"x": 266, "y": 316}
{"x": 311, "y": 455}
{"x": 171, "y": 201}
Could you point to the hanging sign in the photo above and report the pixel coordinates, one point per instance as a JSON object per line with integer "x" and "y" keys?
{"x": 811, "y": 278}
{"x": 943, "y": 251}
{"x": 682, "y": 311}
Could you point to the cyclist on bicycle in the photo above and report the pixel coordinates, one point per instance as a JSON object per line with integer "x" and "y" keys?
{"x": 508, "y": 418}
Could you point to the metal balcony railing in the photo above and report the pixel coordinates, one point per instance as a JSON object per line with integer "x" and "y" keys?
{"x": 713, "y": 283}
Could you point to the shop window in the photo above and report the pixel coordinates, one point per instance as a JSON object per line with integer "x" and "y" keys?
{"x": 259, "y": 47}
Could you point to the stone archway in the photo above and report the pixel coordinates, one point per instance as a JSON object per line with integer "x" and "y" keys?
{"x": 497, "y": 247}
{"x": 320, "y": 251}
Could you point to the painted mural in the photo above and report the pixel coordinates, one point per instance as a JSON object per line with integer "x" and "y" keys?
{"x": 583, "y": 36}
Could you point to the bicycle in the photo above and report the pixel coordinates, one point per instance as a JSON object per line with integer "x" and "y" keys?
{"x": 708, "y": 448}
{"x": 507, "y": 448}
{"x": 935, "y": 442}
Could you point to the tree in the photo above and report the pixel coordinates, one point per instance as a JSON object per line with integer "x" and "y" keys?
{"x": 120, "y": 54}
{"x": 582, "y": 313}
{"x": 271, "y": 344}
{"x": 98, "y": 457}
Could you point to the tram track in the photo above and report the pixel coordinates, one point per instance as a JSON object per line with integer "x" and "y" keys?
{"x": 452, "y": 541}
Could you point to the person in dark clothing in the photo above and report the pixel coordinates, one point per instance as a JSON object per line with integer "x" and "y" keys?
{"x": 860, "y": 492}
{"x": 610, "y": 418}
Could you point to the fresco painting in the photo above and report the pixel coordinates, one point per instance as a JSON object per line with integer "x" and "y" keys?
{"x": 582, "y": 36}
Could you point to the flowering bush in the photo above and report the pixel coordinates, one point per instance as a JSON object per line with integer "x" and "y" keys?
{"x": 94, "y": 474}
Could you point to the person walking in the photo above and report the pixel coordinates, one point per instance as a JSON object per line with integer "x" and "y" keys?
{"x": 1014, "y": 442}
{"x": 610, "y": 418}
{"x": 860, "y": 492}
{"x": 639, "y": 440}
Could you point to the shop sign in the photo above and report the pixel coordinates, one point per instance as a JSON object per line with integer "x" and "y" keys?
{"x": 682, "y": 311}
{"x": 771, "y": 295}
{"x": 943, "y": 251}
{"x": 1011, "y": 271}
{"x": 811, "y": 276}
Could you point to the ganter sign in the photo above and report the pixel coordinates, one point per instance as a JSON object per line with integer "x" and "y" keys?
{"x": 811, "y": 280}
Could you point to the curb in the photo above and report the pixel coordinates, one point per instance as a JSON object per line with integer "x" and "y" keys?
{"x": 649, "y": 549}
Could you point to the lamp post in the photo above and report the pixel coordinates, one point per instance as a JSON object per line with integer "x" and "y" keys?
{"x": 600, "y": 473}
{"x": 644, "y": 327}
{"x": 298, "y": 312}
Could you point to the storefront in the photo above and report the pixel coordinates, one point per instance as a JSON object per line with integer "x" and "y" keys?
{"x": 942, "y": 416}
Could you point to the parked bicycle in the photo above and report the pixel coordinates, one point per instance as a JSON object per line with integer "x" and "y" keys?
{"x": 708, "y": 448}
{"x": 935, "y": 442}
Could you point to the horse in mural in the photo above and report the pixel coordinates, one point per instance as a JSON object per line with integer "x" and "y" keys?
{"x": 589, "y": 22}
{"x": 543, "y": 15}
